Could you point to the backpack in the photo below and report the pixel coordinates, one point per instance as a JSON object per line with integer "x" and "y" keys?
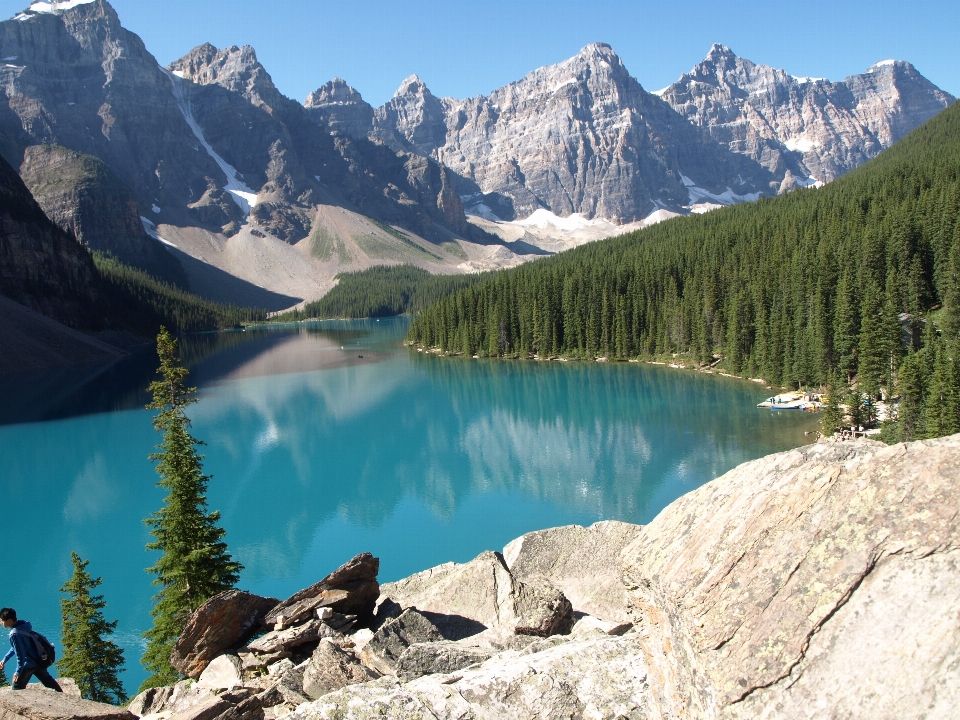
{"x": 45, "y": 651}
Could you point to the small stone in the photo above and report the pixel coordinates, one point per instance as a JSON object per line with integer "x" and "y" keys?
{"x": 324, "y": 613}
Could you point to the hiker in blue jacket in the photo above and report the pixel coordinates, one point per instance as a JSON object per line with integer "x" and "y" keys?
{"x": 28, "y": 660}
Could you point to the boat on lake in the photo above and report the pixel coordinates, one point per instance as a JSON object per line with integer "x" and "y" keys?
{"x": 793, "y": 401}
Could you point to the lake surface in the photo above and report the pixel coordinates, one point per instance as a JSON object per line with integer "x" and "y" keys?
{"x": 318, "y": 454}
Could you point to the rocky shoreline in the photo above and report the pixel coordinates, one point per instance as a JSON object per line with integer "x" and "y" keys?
{"x": 819, "y": 582}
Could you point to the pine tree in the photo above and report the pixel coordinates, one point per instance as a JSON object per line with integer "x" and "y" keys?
{"x": 194, "y": 564}
{"x": 88, "y": 656}
{"x": 833, "y": 412}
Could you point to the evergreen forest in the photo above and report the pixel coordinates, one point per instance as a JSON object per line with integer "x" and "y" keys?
{"x": 381, "y": 291}
{"x": 135, "y": 300}
{"x": 855, "y": 282}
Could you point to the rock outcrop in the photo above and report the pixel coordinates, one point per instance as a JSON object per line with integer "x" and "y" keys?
{"x": 351, "y": 588}
{"x": 828, "y": 576}
{"x": 804, "y": 129}
{"x": 223, "y": 621}
{"x": 823, "y": 581}
{"x": 819, "y": 582}
{"x": 37, "y": 703}
{"x": 40, "y": 265}
{"x": 582, "y": 562}
{"x": 82, "y": 196}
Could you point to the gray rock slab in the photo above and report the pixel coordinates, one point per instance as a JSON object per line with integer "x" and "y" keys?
{"x": 331, "y": 668}
{"x": 43, "y": 704}
{"x": 279, "y": 640}
{"x": 438, "y": 657}
{"x": 595, "y": 678}
{"x": 391, "y": 640}
{"x": 823, "y": 581}
{"x": 583, "y": 562}
{"x": 208, "y": 709}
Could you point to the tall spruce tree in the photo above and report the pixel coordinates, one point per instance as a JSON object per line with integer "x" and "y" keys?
{"x": 88, "y": 656}
{"x": 194, "y": 564}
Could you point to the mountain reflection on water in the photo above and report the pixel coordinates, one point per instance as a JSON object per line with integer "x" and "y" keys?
{"x": 318, "y": 453}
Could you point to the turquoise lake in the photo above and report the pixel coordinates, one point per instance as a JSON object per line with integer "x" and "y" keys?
{"x": 318, "y": 454}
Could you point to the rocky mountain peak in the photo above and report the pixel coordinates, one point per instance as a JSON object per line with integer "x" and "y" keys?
{"x": 412, "y": 85}
{"x": 340, "y": 107}
{"x": 333, "y": 91}
{"x": 236, "y": 68}
{"x": 803, "y": 129}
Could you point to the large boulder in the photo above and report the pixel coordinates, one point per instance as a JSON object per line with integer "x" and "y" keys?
{"x": 824, "y": 581}
{"x": 351, "y": 589}
{"x": 480, "y": 591}
{"x": 542, "y": 610}
{"x": 582, "y": 562}
{"x": 390, "y": 641}
{"x": 223, "y": 621}
{"x": 223, "y": 673}
{"x": 331, "y": 668}
{"x": 42, "y": 704}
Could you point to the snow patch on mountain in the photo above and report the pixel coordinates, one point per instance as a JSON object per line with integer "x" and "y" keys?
{"x": 54, "y": 7}
{"x": 242, "y": 194}
{"x": 698, "y": 195}
{"x": 883, "y": 63}
{"x": 150, "y": 228}
{"x": 560, "y": 86}
{"x": 545, "y": 219}
{"x": 799, "y": 144}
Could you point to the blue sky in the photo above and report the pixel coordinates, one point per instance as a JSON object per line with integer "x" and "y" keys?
{"x": 463, "y": 49}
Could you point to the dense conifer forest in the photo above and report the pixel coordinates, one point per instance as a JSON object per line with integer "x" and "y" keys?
{"x": 134, "y": 300}
{"x": 381, "y": 291}
{"x": 856, "y": 282}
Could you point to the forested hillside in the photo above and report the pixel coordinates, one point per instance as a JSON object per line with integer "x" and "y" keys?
{"x": 381, "y": 291}
{"x": 796, "y": 289}
{"x": 137, "y": 301}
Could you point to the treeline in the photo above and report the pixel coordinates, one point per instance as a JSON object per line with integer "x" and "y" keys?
{"x": 796, "y": 289}
{"x": 381, "y": 291}
{"x": 137, "y": 301}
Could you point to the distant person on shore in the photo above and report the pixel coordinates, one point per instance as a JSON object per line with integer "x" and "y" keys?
{"x": 28, "y": 657}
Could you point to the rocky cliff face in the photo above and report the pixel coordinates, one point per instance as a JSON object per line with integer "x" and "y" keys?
{"x": 803, "y": 130}
{"x": 578, "y": 137}
{"x": 341, "y": 108}
{"x": 83, "y": 197}
{"x": 41, "y": 266}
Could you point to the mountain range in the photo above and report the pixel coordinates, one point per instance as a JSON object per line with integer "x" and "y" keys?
{"x": 247, "y": 196}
